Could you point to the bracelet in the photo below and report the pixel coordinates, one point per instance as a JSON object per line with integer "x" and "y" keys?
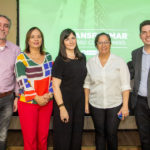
{"x": 60, "y": 105}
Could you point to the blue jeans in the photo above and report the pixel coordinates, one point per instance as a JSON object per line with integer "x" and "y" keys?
{"x": 6, "y": 109}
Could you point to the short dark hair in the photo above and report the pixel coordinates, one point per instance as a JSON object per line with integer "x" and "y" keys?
{"x": 62, "y": 49}
{"x": 144, "y": 23}
{"x": 27, "y": 49}
{"x": 100, "y": 34}
{"x": 9, "y": 20}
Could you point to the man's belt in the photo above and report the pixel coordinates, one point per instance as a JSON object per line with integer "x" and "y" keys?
{"x": 5, "y": 94}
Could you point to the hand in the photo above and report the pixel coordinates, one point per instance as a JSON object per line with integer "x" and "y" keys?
{"x": 41, "y": 100}
{"x": 87, "y": 109}
{"x": 15, "y": 106}
{"x": 124, "y": 111}
{"x": 64, "y": 114}
{"x": 48, "y": 95}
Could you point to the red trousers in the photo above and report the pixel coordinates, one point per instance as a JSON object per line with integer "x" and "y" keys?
{"x": 34, "y": 120}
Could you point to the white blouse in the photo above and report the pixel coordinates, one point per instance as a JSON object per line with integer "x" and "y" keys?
{"x": 107, "y": 83}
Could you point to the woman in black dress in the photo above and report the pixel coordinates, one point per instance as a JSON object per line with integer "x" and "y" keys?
{"x": 69, "y": 72}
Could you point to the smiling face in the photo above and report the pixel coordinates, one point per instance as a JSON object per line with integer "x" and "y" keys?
{"x": 35, "y": 40}
{"x": 145, "y": 35}
{"x": 4, "y": 28}
{"x": 103, "y": 45}
{"x": 70, "y": 42}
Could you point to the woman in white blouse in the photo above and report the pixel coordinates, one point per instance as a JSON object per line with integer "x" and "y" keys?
{"x": 107, "y": 86}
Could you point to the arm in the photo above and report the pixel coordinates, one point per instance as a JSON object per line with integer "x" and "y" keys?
{"x": 86, "y": 86}
{"x": 59, "y": 100}
{"x": 50, "y": 94}
{"x": 86, "y": 92}
{"x": 15, "y": 106}
{"x": 124, "y": 109}
{"x": 125, "y": 86}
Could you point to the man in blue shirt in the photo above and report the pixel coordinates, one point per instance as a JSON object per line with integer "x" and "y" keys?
{"x": 140, "y": 72}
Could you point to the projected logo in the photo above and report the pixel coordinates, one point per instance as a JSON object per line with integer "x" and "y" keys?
{"x": 86, "y": 39}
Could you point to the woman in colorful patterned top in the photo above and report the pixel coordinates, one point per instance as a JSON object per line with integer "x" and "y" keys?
{"x": 33, "y": 72}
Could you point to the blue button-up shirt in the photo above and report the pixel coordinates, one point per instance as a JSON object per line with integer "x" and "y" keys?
{"x": 144, "y": 73}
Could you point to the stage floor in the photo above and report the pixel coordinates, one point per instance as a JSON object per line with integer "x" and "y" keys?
{"x": 127, "y": 140}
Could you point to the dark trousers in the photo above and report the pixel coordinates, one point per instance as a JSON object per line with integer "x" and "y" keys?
{"x": 142, "y": 115}
{"x": 6, "y": 109}
{"x": 68, "y": 136}
{"x": 106, "y": 123}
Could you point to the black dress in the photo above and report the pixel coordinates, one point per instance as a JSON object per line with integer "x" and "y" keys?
{"x": 68, "y": 136}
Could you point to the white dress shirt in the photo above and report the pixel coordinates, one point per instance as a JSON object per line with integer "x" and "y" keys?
{"x": 107, "y": 83}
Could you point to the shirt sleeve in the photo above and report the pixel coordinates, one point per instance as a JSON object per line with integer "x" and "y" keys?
{"x": 16, "y": 83}
{"x": 16, "y": 88}
{"x": 58, "y": 67}
{"x": 49, "y": 57}
{"x": 124, "y": 76}
{"x": 24, "y": 84}
{"x": 87, "y": 81}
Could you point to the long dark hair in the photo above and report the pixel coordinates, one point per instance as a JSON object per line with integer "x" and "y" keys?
{"x": 27, "y": 48}
{"x": 62, "y": 49}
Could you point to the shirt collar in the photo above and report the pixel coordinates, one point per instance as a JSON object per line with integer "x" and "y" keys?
{"x": 144, "y": 52}
{"x": 3, "y": 47}
{"x": 110, "y": 57}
